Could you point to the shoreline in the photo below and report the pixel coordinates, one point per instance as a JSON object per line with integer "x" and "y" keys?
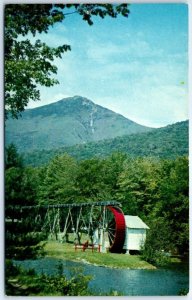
{"x": 106, "y": 260}
{"x": 112, "y": 267}
{"x": 67, "y": 252}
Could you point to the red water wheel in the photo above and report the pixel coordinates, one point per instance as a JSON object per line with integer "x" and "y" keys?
{"x": 115, "y": 227}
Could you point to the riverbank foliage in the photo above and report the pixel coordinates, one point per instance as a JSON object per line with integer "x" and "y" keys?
{"x": 156, "y": 190}
{"x": 21, "y": 282}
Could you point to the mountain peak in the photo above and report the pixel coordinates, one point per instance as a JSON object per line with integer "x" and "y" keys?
{"x": 73, "y": 102}
{"x": 70, "y": 121}
{"x": 78, "y": 98}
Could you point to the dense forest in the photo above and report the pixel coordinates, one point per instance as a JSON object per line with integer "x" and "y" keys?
{"x": 167, "y": 142}
{"x": 154, "y": 189}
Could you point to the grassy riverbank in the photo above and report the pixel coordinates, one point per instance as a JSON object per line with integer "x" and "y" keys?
{"x": 67, "y": 252}
{"x": 22, "y": 282}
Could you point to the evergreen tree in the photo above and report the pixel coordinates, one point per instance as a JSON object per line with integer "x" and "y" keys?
{"x": 12, "y": 158}
{"x": 21, "y": 231}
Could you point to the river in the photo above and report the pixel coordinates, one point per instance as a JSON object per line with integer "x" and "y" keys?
{"x": 160, "y": 282}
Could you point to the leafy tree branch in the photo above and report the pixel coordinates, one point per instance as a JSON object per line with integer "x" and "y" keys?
{"x": 28, "y": 64}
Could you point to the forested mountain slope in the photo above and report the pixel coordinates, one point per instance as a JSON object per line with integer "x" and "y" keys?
{"x": 70, "y": 121}
{"x": 167, "y": 142}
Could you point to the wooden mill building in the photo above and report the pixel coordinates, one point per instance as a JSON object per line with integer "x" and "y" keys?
{"x": 135, "y": 233}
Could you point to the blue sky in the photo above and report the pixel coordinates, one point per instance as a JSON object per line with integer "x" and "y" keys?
{"x": 137, "y": 66}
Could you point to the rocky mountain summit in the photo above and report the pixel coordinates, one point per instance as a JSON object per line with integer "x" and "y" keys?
{"x": 70, "y": 121}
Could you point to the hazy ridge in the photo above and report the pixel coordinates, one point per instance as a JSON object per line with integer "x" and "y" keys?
{"x": 167, "y": 142}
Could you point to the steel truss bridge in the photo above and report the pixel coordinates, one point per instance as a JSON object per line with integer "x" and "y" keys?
{"x": 98, "y": 223}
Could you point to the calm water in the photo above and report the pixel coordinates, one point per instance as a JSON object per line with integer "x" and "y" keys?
{"x": 129, "y": 282}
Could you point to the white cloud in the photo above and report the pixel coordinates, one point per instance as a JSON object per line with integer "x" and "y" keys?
{"x": 124, "y": 70}
{"x": 158, "y": 106}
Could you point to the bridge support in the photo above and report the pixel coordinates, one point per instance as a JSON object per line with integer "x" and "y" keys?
{"x": 81, "y": 222}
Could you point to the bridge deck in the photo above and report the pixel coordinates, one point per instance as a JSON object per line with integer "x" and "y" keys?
{"x": 99, "y": 203}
